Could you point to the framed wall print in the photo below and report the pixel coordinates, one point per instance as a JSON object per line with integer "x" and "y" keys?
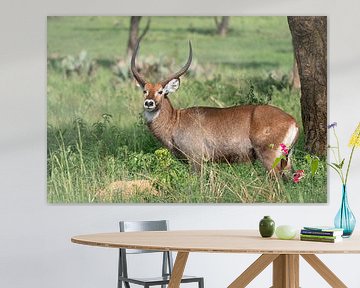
{"x": 187, "y": 109}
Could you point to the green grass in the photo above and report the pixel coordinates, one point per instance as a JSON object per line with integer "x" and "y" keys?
{"x": 96, "y": 134}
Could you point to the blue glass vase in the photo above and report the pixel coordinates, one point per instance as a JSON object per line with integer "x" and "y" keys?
{"x": 345, "y": 219}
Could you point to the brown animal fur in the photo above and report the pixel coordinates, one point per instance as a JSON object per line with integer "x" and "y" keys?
{"x": 233, "y": 134}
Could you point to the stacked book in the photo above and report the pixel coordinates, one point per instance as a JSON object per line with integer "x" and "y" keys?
{"x": 321, "y": 234}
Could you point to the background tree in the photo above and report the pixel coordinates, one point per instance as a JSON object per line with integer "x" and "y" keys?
{"x": 222, "y": 26}
{"x": 294, "y": 78}
{"x": 134, "y": 33}
{"x": 309, "y": 36}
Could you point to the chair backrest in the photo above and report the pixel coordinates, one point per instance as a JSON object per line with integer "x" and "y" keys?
{"x": 134, "y": 226}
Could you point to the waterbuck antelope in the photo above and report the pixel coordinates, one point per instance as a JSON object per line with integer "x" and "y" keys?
{"x": 233, "y": 134}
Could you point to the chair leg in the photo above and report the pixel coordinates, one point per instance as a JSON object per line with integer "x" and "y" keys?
{"x": 126, "y": 284}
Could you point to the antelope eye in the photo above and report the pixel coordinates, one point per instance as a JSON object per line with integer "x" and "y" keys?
{"x": 160, "y": 92}
{"x": 145, "y": 91}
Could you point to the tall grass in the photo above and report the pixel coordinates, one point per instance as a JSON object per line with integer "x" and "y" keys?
{"x": 96, "y": 133}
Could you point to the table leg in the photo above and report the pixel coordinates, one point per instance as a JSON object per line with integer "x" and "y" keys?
{"x": 178, "y": 270}
{"x": 324, "y": 271}
{"x": 286, "y": 271}
{"x": 253, "y": 270}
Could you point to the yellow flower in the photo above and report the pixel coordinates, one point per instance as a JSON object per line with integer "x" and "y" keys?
{"x": 355, "y": 138}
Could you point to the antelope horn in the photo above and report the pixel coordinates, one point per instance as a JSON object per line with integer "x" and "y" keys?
{"x": 181, "y": 71}
{"x": 134, "y": 71}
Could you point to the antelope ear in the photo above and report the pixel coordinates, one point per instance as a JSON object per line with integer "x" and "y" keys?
{"x": 172, "y": 86}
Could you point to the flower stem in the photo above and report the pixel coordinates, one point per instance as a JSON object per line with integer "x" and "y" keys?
{"x": 348, "y": 166}
{"x": 337, "y": 144}
{"x": 339, "y": 159}
{"x": 337, "y": 171}
{"x": 351, "y": 155}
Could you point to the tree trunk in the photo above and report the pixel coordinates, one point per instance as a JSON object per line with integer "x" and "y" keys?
{"x": 294, "y": 78}
{"x": 309, "y": 36}
{"x": 222, "y": 27}
{"x": 133, "y": 33}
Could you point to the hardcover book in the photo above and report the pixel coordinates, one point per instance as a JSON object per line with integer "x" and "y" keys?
{"x": 337, "y": 232}
{"x": 323, "y": 228}
{"x": 324, "y": 239}
{"x": 320, "y": 237}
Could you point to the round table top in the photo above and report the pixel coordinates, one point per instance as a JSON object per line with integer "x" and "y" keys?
{"x": 219, "y": 241}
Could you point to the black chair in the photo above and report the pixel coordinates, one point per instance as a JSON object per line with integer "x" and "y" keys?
{"x": 167, "y": 262}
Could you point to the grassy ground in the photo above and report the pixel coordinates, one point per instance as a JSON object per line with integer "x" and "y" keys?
{"x": 96, "y": 134}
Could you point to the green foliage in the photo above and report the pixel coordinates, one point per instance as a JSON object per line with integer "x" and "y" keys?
{"x": 313, "y": 162}
{"x": 96, "y": 132}
{"x": 278, "y": 160}
{"x": 79, "y": 64}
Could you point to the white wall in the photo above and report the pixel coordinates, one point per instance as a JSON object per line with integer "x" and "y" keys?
{"x": 35, "y": 248}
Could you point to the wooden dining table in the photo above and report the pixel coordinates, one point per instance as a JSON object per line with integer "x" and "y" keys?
{"x": 283, "y": 254}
